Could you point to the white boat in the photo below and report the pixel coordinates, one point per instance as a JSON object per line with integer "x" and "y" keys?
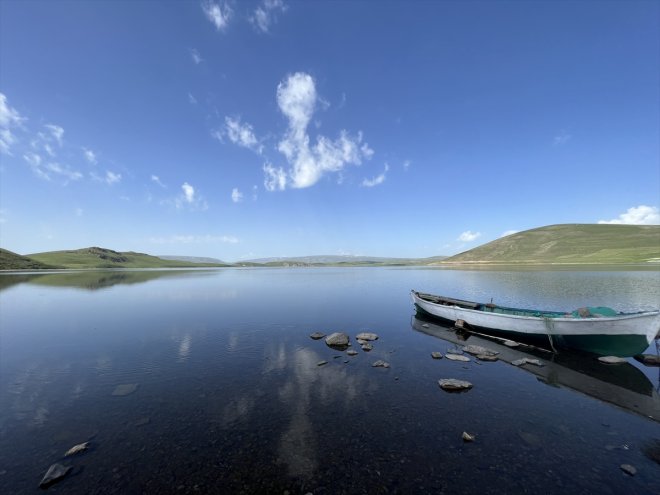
{"x": 599, "y": 330}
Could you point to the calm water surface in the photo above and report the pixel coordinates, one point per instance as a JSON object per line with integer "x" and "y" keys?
{"x": 229, "y": 397}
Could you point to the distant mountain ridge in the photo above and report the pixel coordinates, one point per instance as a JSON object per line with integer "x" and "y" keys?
{"x": 570, "y": 243}
{"x": 192, "y": 259}
{"x": 338, "y": 260}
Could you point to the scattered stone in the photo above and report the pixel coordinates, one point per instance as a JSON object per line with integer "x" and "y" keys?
{"x": 467, "y": 437}
{"x": 336, "y": 357}
{"x": 125, "y": 389}
{"x": 519, "y": 362}
{"x": 81, "y": 447}
{"x": 317, "y": 335}
{"x": 486, "y": 357}
{"x": 436, "y": 355}
{"x": 477, "y": 349}
{"x": 321, "y": 363}
{"x": 366, "y": 347}
{"x": 352, "y": 352}
{"x": 457, "y": 357}
{"x": 454, "y": 385}
{"x": 612, "y": 360}
{"x": 366, "y": 336}
{"x": 337, "y": 339}
{"x": 648, "y": 359}
{"x": 346, "y": 361}
{"x": 381, "y": 364}
{"x": 55, "y": 473}
{"x": 628, "y": 469}
{"x": 511, "y": 343}
{"x": 362, "y": 341}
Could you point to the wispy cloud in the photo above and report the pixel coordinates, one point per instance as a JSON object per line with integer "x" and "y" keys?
{"x": 189, "y": 198}
{"x": 9, "y": 119}
{"x": 561, "y": 138}
{"x": 196, "y": 57}
{"x": 266, "y": 14}
{"x": 156, "y": 179}
{"x": 90, "y": 156}
{"x": 218, "y": 13}
{"x": 509, "y": 232}
{"x": 57, "y": 132}
{"x": 469, "y": 236}
{"x": 236, "y": 195}
{"x": 637, "y": 215}
{"x": 275, "y": 178}
{"x": 195, "y": 239}
{"x": 192, "y": 99}
{"x": 255, "y": 191}
{"x": 379, "y": 179}
{"x": 241, "y": 134}
{"x": 406, "y": 165}
{"x": 47, "y": 170}
{"x": 109, "y": 178}
{"x": 297, "y": 100}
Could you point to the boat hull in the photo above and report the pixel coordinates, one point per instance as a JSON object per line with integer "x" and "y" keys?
{"x": 622, "y": 335}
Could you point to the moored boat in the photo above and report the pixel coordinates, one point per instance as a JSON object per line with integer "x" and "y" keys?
{"x": 599, "y": 330}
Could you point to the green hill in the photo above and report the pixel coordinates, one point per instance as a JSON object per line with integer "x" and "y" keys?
{"x": 13, "y": 261}
{"x": 574, "y": 243}
{"x": 96, "y": 257}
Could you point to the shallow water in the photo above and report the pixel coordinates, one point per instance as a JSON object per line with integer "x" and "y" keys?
{"x": 229, "y": 396}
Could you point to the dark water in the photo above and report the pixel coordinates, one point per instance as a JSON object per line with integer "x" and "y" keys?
{"x": 230, "y": 399}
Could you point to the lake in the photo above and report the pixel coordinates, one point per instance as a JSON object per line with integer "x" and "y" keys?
{"x": 207, "y": 382}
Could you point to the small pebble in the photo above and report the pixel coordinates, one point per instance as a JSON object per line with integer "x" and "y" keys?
{"x": 321, "y": 363}
{"x": 628, "y": 469}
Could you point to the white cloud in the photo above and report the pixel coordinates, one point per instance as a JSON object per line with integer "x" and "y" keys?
{"x": 197, "y": 58}
{"x": 192, "y": 99}
{"x": 266, "y": 14}
{"x": 241, "y": 134}
{"x": 562, "y": 138}
{"x": 376, "y": 180}
{"x": 637, "y": 215}
{"x": 509, "y": 232}
{"x": 90, "y": 156}
{"x": 157, "y": 180}
{"x": 297, "y": 100}
{"x": 218, "y": 13}
{"x": 275, "y": 179}
{"x": 9, "y": 118}
{"x": 236, "y": 195}
{"x": 111, "y": 177}
{"x": 406, "y": 165}
{"x": 33, "y": 159}
{"x": 57, "y": 132}
{"x": 469, "y": 236}
{"x": 195, "y": 239}
{"x": 190, "y": 199}
{"x": 50, "y": 170}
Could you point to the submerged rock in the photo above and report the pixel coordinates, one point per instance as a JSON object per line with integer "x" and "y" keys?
{"x": 337, "y": 339}
{"x": 321, "y": 363}
{"x": 366, "y": 347}
{"x": 628, "y": 469}
{"x": 612, "y": 360}
{"x": 55, "y": 473}
{"x": 477, "y": 349}
{"x": 467, "y": 437}
{"x": 454, "y": 385}
{"x": 362, "y": 341}
{"x": 81, "y": 447}
{"x": 457, "y": 357}
{"x": 125, "y": 389}
{"x": 352, "y": 352}
{"x": 366, "y": 336}
{"x": 436, "y": 355}
{"x": 317, "y": 335}
{"x": 648, "y": 359}
{"x": 381, "y": 364}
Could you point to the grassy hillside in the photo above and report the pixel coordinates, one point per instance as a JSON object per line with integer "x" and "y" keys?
{"x": 574, "y": 243}
{"x": 13, "y": 261}
{"x": 96, "y": 257}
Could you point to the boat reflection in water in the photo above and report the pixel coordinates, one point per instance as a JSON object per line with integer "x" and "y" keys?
{"x": 622, "y": 385}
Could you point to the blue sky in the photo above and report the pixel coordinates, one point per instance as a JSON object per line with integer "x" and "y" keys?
{"x": 277, "y": 128}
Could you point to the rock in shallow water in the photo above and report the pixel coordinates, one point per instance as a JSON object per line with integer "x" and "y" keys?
{"x": 457, "y": 357}
{"x": 628, "y": 469}
{"x": 366, "y": 347}
{"x": 125, "y": 389}
{"x": 337, "y": 339}
{"x": 520, "y": 362}
{"x": 55, "y": 473}
{"x": 477, "y": 349}
{"x": 321, "y": 363}
{"x": 381, "y": 364}
{"x": 454, "y": 385}
{"x": 317, "y": 335}
{"x": 352, "y": 352}
{"x": 436, "y": 355}
{"x": 366, "y": 336}
{"x": 486, "y": 357}
{"x": 467, "y": 437}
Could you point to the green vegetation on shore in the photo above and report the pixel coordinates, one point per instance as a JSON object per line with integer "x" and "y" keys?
{"x": 13, "y": 261}
{"x": 96, "y": 257}
{"x": 572, "y": 243}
